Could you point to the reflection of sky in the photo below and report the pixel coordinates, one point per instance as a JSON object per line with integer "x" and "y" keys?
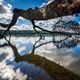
{"x": 77, "y": 49}
{"x": 24, "y": 48}
{"x": 33, "y": 72}
{"x": 63, "y": 56}
{"x": 21, "y": 69}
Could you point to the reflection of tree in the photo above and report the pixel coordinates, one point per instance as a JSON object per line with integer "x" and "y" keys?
{"x": 71, "y": 27}
{"x": 52, "y": 68}
{"x": 58, "y": 8}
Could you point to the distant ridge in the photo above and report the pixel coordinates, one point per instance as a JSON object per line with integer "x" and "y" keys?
{"x": 33, "y": 33}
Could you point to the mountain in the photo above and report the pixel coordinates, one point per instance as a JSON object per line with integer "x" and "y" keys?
{"x": 72, "y": 24}
{"x": 55, "y": 71}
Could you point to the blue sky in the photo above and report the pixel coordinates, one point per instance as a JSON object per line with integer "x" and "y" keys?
{"x": 25, "y": 4}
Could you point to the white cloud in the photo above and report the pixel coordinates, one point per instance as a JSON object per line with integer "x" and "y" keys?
{"x": 46, "y": 3}
{"x": 21, "y": 27}
{"x": 42, "y": 5}
{"x": 1, "y": 1}
{"x": 68, "y": 18}
{"x": 2, "y": 9}
{"x": 48, "y": 24}
{"x": 5, "y": 12}
{"x": 49, "y": 1}
{"x": 7, "y": 72}
{"x": 63, "y": 56}
{"x": 10, "y": 7}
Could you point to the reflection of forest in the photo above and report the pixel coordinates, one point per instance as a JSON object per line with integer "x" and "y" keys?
{"x": 33, "y": 33}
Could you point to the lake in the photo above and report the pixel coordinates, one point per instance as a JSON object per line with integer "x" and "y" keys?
{"x": 9, "y": 69}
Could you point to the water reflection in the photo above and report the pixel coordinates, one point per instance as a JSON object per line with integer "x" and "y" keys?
{"x": 2, "y": 56}
{"x": 33, "y": 72}
{"x": 24, "y": 70}
{"x": 21, "y": 70}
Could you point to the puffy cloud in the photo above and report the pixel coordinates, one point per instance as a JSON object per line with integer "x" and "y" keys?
{"x": 21, "y": 27}
{"x": 5, "y": 12}
{"x": 12, "y": 70}
{"x": 63, "y": 56}
{"x": 48, "y": 24}
{"x": 2, "y": 9}
{"x": 1, "y": 1}
{"x": 7, "y": 72}
{"x": 43, "y": 4}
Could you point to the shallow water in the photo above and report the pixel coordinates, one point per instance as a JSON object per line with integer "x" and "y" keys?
{"x": 9, "y": 69}
{"x": 22, "y": 70}
{"x": 33, "y": 72}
